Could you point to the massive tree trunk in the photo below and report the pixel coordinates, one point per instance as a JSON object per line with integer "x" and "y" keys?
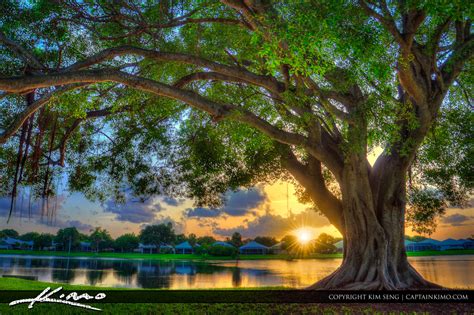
{"x": 373, "y": 231}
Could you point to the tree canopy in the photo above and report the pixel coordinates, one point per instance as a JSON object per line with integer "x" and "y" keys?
{"x": 158, "y": 235}
{"x": 194, "y": 98}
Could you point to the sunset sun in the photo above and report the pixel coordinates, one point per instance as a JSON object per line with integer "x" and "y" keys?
{"x": 303, "y": 235}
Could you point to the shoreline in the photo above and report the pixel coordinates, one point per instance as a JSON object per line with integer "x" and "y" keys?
{"x": 204, "y": 258}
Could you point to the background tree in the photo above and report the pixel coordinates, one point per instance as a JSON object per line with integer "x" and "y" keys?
{"x": 158, "y": 235}
{"x": 44, "y": 240}
{"x": 229, "y": 94}
{"x": 180, "y": 238}
{"x": 30, "y": 236}
{"x": 100, "y": 239}
{"x": 206, "y": 240}
{"x": 127, "y": 242}
{"x": 9, "y": 233}
{"x": 235, "y": 239}
{"x": 289, "y": 241}
{"x": 324, "y": 244}
{"x": 68, "y": 238}
{"x": 192, "y": 239}
{"x": 415, "y": 238}
{"x": 266, "y": 240}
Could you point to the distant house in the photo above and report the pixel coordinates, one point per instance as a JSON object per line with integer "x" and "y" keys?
{"x": 252, "y": 248}
{"x": 339, "y": 246}
{"x": 428, "y": 244}
{"x": 184, "y": 248}
{"x": 55, "y": 246}
{"x": 146, "y": 248}
{"x": 166, "y": 249}
{"x": 153, "y": 249}
{"x": 469, "y": 244}
{"x": 278, "y": 248}
{"x": 13, "y": 243}
{"x": 85, "y": 246}
{"x": 411, "y": 246}
{"x": 224, "y": 244}
{"x": 452, "y": 244}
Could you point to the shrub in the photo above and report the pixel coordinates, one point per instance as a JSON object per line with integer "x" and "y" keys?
{"x": 222, "y": 251}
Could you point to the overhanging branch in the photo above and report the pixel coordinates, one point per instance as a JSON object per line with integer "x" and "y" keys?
{"x": 267, "y": 82}
{"x": 219, "y": 111}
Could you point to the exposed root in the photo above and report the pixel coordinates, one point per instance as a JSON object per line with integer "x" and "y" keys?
{"x": 343, "y": 279}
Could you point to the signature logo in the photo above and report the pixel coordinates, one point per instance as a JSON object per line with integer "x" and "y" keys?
{"x": 71, "y": 299}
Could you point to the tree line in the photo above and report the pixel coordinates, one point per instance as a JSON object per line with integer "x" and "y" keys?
{"x": 160, "y": 235}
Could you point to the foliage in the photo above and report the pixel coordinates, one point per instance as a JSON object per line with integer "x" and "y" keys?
{"x": 9, "y": 233}
{"x": 218, "y": 250}
{"x": 289, "y": 241}
{"x": 100, "y": 239}
{"x": 30, "y": 236}
{"x": 309, "y": 80}
{"x": 68, "y": 237}
{"x": 205, "y": 240}
{"x": 236, "y": 239}
{"x": 415, "y": 238}
{"x": 324, "y": 244}
{"x": 126, "y": 242}
{"x": 43, "y": 240}
{"x": 157, "y": 235}
{"x": 192, "y": 239}
{"x": 266, "y": 240}
{"x": 424, "y": 208}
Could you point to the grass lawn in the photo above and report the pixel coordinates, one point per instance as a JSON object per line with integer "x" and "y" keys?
{"x": 215, "y": 308}
{"x": 22, "y": 284}
{"x": 207, "y": 257}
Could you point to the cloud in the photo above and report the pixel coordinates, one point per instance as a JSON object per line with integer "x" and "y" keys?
{"x": 202, "y": 212}
{"x": 134, "y": 210}
{"x": 238, "y": 203}
{"x": 70, "y": 223}
{"x": 275, "y": 225}
{"x": 170, "y": 201}
{"x": 456, "y": 219}
{"x": 34, "y": 213}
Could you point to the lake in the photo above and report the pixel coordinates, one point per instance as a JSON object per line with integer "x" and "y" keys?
{"x": 448, "y": 271}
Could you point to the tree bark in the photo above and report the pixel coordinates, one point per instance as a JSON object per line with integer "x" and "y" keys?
{"x": 373, "y": 231}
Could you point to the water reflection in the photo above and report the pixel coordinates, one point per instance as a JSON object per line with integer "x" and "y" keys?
{"x": 449, "y": 271}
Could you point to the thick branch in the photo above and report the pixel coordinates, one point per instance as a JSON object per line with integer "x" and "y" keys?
{"x": 260, "y": 80}
{"x": 202, "y": 20}
{"x": 27, "y": 57}
{"x": 453, "y": 66}
{"x": 311, "y": 178}
{"x": 387, "y": 21}
{"x": 219, "y": 111}
{"x": 30, "y": 110}
{"x": 213, "y": 76}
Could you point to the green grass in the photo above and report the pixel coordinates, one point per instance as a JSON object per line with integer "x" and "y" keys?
{"x": 23, "y": 284}
{"x": 207, "y": 257}
{"x": 202, "y": 308}
{"x": 442, "y": 253}
{"x": 213, "y": 308}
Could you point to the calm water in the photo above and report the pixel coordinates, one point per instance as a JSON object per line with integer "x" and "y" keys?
{"x": 449, "y": 271}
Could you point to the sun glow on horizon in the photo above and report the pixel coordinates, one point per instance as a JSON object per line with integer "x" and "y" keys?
{"x": 304, "y": 235}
